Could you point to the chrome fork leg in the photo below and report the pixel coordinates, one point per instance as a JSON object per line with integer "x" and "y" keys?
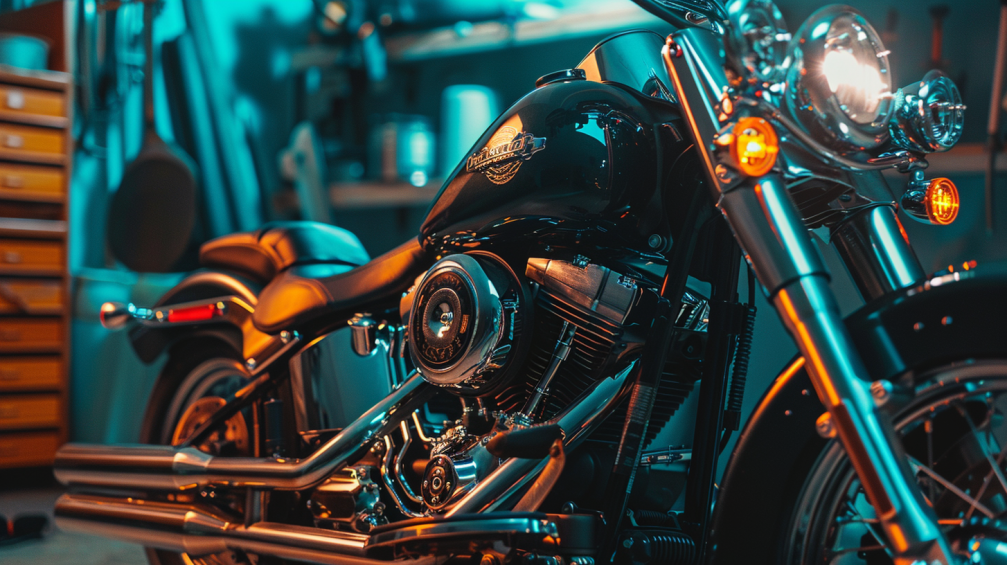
{"x": 788, "y": 265}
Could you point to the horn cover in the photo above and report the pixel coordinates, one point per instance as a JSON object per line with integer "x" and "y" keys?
{"x": 465, "y": 322}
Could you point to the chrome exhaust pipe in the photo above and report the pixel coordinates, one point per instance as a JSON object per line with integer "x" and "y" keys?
{"x": 200, "y": 531}
{"x": 156, "y": 467}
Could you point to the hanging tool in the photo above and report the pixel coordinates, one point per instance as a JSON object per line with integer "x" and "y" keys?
{"x": 154, "y": 210}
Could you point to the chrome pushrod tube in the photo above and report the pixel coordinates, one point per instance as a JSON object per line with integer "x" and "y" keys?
{"x": 145, "y": 467}
{"x": 876, "y": 252}
{"x": 199, "y": 531}
{"x": 577, "y": 422}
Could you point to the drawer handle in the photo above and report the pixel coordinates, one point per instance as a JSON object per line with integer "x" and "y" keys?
{"x": 13, "y": 181}
{"x": 15, "y": 100}
{"x": 10, "y": 335}
{"x": 13, "y": 141}
{"x": 9, "y": 412}
{"x": 10, "y": 375}
{"x": 12, "y": 257}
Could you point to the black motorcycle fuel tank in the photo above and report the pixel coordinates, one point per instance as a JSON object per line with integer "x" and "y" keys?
{"x": 572, "y": 150}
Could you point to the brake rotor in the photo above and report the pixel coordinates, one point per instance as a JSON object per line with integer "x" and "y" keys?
{"x": 233, "y": 433}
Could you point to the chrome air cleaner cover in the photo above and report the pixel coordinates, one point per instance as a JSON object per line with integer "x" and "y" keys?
{"x": 464, "y": 324}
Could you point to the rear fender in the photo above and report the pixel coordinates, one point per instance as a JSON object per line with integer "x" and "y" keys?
{"x": 949, "y": 318}
{"x": 149, "y": 342}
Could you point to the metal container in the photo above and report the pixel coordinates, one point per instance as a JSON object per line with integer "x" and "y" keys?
{"x": 24, "y": 51}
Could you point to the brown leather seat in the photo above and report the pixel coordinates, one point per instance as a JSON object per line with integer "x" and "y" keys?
{"x": 308, "y": 295}
{"x": 277, "y": 246}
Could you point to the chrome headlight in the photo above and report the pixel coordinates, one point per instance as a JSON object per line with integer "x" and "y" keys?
{"x": 929, "y": 114}
{"x": 757, "y": 40}
{"x": 839, "y": 80}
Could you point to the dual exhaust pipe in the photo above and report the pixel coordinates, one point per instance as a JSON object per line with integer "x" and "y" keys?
{"x": 197, "y": 530}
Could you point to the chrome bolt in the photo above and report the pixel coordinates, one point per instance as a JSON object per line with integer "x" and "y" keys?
{"x": 881, "y": 391}
{"x": 655, "y": 241}
{"x": 250, "y": 364}
{"x": 221, "y": 308}
{"x": 627, "y": 543}
{"x": 824, "y": 426}
{"x": 285, "y": 336}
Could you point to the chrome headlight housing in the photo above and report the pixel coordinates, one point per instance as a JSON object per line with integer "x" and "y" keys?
{"x": 758, "y": 39}
{"x": 839, "y": 81}
{"x": 929, "y": 114}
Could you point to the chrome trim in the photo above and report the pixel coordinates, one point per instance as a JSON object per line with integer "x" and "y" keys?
{"x": 147, "y": 467}
{"x": 877, "y": 256}
{"x": 584, "y": 415}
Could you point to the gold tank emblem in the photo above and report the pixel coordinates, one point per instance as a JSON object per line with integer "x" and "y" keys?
{"x": 503, "y": 155}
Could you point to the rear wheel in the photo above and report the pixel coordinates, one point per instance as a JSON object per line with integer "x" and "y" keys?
{"x": 956, "y": 437}
{"x": 197, "y": 380}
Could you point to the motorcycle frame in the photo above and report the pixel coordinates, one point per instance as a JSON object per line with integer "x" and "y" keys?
{"x": 774, "y": 238}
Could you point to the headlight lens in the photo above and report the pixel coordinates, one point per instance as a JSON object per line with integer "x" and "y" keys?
{"x": 758, "y": 39}
{"x": 839, "y": 78}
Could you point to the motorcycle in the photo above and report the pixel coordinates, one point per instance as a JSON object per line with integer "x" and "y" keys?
{"x": 523, "y": 356}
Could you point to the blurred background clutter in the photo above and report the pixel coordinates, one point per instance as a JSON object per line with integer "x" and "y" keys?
{"x": 347, "y": 112}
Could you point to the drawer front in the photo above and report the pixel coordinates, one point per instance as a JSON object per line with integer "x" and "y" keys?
{"x": 30, "y": 373}
{"x": 31, "y": 180}
{"x": 33, "y": 411}
{"x": 21, "y": 100}
{"x": 19, "y": 254}
{"x": 29, "y": 449}
{"x": 29, "y": 296}
{"x": 31, "y": 140}
{"x": 28, "y": 335}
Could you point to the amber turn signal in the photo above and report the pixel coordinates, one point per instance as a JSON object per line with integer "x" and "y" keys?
{"x": 935, "y": 201}
{"x": 755, "y": 146}
{"x": 941, "y": 201}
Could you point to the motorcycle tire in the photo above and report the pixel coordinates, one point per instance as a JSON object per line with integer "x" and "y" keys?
{"x": 198, "y": 376}
{"x": 955, "y": 434}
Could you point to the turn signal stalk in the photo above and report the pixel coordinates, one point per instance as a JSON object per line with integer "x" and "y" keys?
{"x": 935, "y": 201}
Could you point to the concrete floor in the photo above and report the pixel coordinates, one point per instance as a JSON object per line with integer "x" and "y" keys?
{"x": 34, "y": 492}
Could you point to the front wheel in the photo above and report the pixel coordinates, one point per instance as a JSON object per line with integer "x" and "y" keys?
{"x": 955, "y": 436}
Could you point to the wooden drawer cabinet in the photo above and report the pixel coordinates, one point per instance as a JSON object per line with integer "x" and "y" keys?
{"x": 36, "y": 111}
{"x": 24, "y": 256}
{"x": 31, "y": 296}
{"x": 31, "y": 181}
{"x": 25, "y": 101}
{"x": 33, "y": 143}
{"x": 30, "y": 373}
{"x": 31, "y": 335}
{"x": 29, "y": 411}
{"x": 27, "y": 449}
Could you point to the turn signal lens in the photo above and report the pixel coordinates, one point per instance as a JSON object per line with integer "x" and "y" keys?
{"x": 941, "y": 201}
{"x": 755, "y": 146}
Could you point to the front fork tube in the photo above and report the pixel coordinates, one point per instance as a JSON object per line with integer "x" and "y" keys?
{"x": 775, "y": 241}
